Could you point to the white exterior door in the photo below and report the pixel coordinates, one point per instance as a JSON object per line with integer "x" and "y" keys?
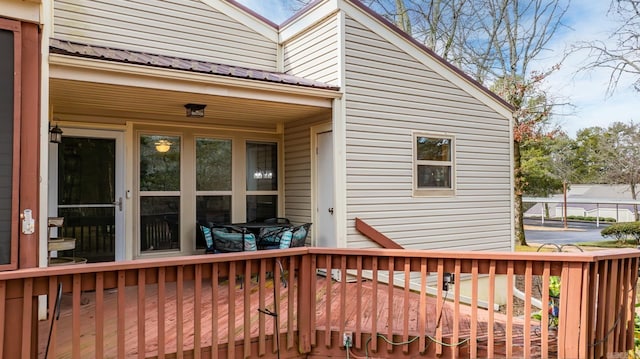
{"x": 86, "y": 177}
{"x": 325, "y": 222}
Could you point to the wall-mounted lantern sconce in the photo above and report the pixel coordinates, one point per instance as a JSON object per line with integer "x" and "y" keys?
{"x": 55, "y": 134}
{"x": 163, "y": 146}
{"x": 195, "y": 110}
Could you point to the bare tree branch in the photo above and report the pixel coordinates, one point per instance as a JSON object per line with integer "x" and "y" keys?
{"x": 621, "y": 53}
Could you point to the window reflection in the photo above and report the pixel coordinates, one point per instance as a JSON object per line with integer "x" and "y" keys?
{"x": 213, "y": 164}
{"x": 159, "y": 171}
{"x": 434, "y": 176}
{"x": 262, "y": 166}
{"x": 260, "y": 208}
{"x": 159, "y": 223}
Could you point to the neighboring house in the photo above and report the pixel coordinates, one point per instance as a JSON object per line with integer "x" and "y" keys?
{"x": 334, "y": 115}
{"x": 589, "y": 200}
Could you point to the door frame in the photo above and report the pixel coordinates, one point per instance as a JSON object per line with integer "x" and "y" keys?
{"x": 119, "y": 137}
{"x": 315, "y": 131}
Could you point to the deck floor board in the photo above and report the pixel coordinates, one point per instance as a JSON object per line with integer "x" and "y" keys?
{"x": 63, "y": 340}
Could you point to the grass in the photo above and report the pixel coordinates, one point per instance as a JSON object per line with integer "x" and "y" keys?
{"x": 630, "y": 243}
{"x": 520, "y": 248}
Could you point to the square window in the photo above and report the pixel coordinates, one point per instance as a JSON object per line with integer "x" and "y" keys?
{"x": 434, "y": 171}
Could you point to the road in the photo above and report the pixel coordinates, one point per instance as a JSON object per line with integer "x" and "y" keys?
{"x": 554, "y": 232}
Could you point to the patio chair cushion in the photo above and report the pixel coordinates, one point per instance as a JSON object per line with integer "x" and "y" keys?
{"x": 270, "y": 237}
{"x": 208, "y": 238}
{"x": 234, "y": 242}
{"x": 299, "y": 237}
{"x": 285, "y": 239}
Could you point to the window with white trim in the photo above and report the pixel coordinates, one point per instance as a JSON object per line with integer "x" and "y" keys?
{"x": 434, "y": 166}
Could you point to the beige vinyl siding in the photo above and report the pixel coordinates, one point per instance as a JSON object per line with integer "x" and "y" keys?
{"x": 181, "y": 28}
{"x": 314, "y": 53}
{"x": 297, "y": 171}
{"x": 389, "y": 95}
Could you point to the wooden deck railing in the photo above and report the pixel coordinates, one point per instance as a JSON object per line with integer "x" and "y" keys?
{"x": 230, "y": 305}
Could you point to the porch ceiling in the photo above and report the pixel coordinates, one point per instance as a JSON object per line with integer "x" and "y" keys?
{"x": 75, "y": 100}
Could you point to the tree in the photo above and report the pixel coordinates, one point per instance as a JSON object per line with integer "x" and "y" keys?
{"x": 620, "y": 148}
{"x": 546, "y": 164}
{"x": 538, "y": 169}
{"x": 620, "y": 52}
{"x": 588, "y": 162}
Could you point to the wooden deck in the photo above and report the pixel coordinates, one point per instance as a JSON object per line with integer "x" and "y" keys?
{"x": 63, "y": 338}
{"x": 184, "y": 307}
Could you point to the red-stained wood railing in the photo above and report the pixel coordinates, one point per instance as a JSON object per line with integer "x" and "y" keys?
{"x": 596, "y": 313}
{"x": 219, "y": 305}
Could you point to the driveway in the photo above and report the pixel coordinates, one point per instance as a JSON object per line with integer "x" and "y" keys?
{"x": 554, "y": 232}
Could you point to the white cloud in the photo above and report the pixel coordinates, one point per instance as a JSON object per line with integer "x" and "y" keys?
{"x": 586, "y": 91}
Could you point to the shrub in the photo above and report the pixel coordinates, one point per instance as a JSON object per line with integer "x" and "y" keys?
{"x": 592, "y": 218}
{"x": 622, "y": 231}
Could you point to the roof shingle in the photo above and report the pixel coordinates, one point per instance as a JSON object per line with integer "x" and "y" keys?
{"x": 140, "y": 58}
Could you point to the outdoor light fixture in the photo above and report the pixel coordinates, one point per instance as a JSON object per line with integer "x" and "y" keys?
{"x": 195, "y": 110}
{"x": 55, "y": 134}
{"x": 163, "y": 146}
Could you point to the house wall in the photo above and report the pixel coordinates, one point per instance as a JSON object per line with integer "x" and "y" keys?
{"x": 390, "y": 94}
{"x": 297, "y": 171}
{"x": 314, "y": 54}
{"x": 187, "y": 29}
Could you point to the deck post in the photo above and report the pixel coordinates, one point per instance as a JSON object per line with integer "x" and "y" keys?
{"x": 572, "y": 341}
{"x": 305, "y": 311}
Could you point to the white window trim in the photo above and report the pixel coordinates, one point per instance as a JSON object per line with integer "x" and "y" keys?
{"x": 433, "y": 191}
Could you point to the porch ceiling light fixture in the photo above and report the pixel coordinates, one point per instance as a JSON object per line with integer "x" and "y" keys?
{"x": 55, "y": 134}
{"x": 195, "y": 110}
{"x": 163, "y": 146}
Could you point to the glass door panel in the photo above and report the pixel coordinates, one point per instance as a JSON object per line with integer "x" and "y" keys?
{"x": 87, "y": 196}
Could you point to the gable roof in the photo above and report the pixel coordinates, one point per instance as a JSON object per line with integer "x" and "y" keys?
{"x": 397, "y": 32}
{"x": 168, "y": 62}
{"x": 430, "y": 52}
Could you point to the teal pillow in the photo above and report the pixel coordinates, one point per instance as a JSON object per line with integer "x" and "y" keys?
{"x": 208, "y": 237}
{"x": 234, "y": 242}
{"x": 250, "y": 242}
{"x": 285, "y": 239}
{"x": 270, "y": 234}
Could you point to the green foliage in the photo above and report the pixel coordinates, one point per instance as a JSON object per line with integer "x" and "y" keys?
{"x": 554, "y": 286}
{"x": 589, "y": 162}
{"x": 554, "y": 294}
{"x": 592, "y": 219}
{"x": 636, "y": 332}
{"x": 539, "y": 179}
{"x": 622, "y": 231}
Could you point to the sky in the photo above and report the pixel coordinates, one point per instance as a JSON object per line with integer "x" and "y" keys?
{"x": 584, "y": 91}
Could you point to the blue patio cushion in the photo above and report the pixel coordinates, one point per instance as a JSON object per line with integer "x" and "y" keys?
{"x": 208, "y": 237}
{"x": 285, "y": 239}
{"x": 300, "y": 233}
{"x": 269, "y": 237}
{"x": 234, "y": 242}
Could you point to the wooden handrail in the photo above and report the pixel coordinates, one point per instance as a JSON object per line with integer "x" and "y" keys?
{"x": 595, "y": 317}
{"x": 374, "y": 235}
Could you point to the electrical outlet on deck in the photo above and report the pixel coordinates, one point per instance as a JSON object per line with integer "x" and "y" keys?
{"x": 347, "y": 339}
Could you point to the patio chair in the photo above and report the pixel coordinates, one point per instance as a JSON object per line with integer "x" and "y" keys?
{"x": 299, "y": 235}
{"x": 233, "y": 239}
{"x": 274, "y": 237}
{"x": 205, "y": 235}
